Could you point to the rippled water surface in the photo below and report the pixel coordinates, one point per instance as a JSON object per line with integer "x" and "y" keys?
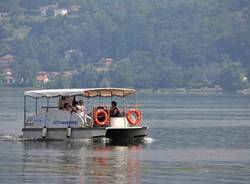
{"x": 193, "y": 139}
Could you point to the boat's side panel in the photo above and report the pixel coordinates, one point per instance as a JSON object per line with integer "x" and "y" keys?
{"x": 62, "y": 133}
{"x": 84, "y": 133}
{"x": 34, "y": 133}
{"x": 88, "y": 133}
{"x": 54, "y": 118}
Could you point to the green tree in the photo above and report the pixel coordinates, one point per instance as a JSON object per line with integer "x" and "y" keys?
{"x": 5, "y": 48}
{"x": 63, "y": 82}
{"x": 230, "y": 75}
{"x": 26, "y": 71}
{"x": 86, "y": 78}
{"x": 168, "y": 75}
{"x": 143, "y": 69}
{"x": 123, "y": 73}
{"x": 3, "y": 32}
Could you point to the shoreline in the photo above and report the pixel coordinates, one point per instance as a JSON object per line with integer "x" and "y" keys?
{"x": 170, "y": 91}
{"x": 184, "y": 91}
{"x": 193, "y": 91}
{"x": 244, "y": 91}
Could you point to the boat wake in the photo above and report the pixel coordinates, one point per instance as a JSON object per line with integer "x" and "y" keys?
{"x": 9, "y": 137}
{"x": 106, "y": 141}
{"x": 148, "y": 140}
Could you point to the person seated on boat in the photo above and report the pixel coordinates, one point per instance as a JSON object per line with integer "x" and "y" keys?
{"x": 80, "y": 109}
{"x": 68, "y": 107}
{"x": 114, "y": 111}
{"x": 62, "y": 102}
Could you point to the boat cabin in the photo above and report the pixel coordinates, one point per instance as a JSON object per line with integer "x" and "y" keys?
{"x": 81, "y": 108}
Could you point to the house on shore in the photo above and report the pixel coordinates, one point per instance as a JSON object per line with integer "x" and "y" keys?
{"x": 2, "y": 15}
{"x": 54, "y": 10}
{"x": 104, "y": 65}
{"x": 8, "y": 76}
{"x": 60, "y": 12}
{"x": 42, "y": 77}
{"x": 6, "y": 61}
{"x": 6, "y": 70}
{"x": 74, "y": 9}
{"x": 46, "y": 9}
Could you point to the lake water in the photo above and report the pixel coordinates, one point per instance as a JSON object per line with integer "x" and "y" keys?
{"x": 193, "y": 139}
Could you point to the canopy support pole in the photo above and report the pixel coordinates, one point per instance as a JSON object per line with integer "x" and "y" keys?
{"x": 24, "y": 110}
{"x": 36, "y": 106}
{"x": 136, "y": 100}
{"x": 47, "y": 109}
{"x": 124, "y": 109}
{"x": 47, "y": 104}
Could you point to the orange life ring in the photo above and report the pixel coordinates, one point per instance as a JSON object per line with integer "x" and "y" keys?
{"x": 104, "y": 113}
{"x": 138, "y": 117}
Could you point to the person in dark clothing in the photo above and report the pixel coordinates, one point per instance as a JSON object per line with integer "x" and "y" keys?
{"x": 114, "y": 111}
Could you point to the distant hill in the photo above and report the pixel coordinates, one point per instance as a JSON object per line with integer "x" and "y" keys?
{"x": 153, "y": 44}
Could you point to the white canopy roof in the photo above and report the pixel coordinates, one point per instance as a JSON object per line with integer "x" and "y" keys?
{"x": 91, "y": 92}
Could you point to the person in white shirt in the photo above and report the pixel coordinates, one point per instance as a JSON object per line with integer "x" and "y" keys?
{"x": 80, "y": 109}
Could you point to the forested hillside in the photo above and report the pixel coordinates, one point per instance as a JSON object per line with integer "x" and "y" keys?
{"x": 153, "y": 44}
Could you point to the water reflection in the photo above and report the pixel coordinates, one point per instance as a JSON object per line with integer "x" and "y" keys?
{"x": 84, "y": 162}
{"x": 114, "y": 164}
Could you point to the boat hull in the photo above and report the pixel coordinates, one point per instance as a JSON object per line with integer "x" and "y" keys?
{"x": 84, "y": 133}
{"x": 126, "y": 133}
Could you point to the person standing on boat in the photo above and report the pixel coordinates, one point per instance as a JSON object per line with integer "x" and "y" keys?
{"x": 80, "y": 109}
{"x": 114, "y": 111}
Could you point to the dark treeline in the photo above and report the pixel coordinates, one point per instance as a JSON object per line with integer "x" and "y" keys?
{"x": 153, "y": 44}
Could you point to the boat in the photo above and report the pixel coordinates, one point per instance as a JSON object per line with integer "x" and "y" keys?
{"x": 46, "y": 116}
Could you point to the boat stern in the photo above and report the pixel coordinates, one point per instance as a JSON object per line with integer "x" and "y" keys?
{"x": 118, "y": 133}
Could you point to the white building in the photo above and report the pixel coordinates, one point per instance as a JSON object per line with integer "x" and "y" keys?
{"x": 60, "y": 12}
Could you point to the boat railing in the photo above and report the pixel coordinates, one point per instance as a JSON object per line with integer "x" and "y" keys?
{"x": 45, "y": 107}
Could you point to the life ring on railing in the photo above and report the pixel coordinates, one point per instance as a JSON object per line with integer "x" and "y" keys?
{"x": 131, "y": 120}
{"x": 97, "y": 115}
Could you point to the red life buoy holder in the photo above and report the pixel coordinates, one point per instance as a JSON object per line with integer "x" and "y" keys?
{"x": 98, "y": 113}
{"x": 131, "y": 120}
